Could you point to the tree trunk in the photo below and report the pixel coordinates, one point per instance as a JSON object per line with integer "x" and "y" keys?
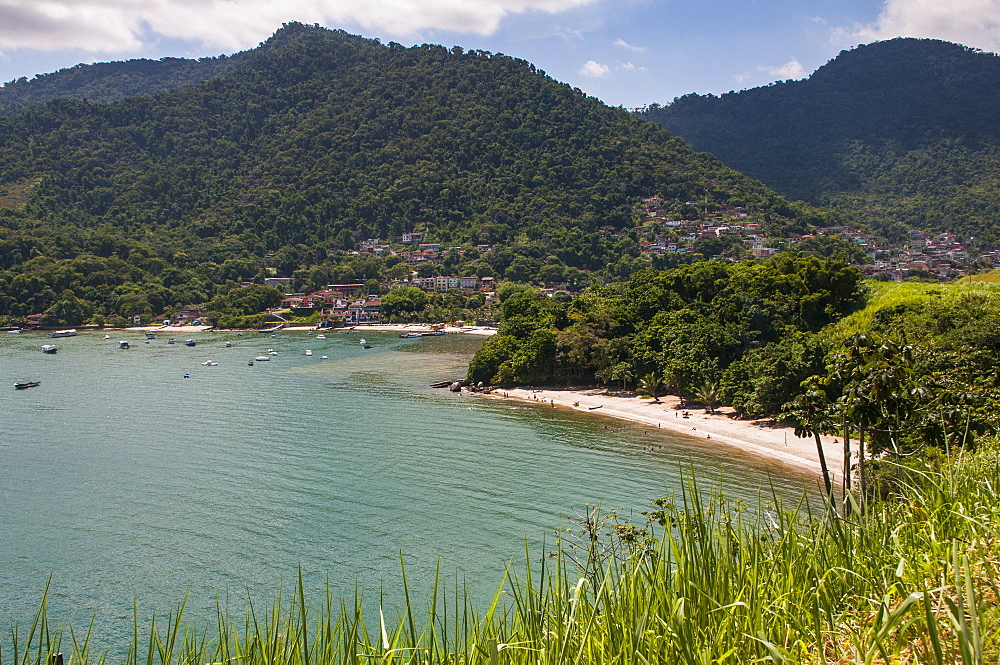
{"x": 847, "y": 468}
{"x": 826, "y": 472}
{"x": 861, "y": 469}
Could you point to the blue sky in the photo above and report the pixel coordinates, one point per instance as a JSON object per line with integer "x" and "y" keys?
{"x": 624, "y": 52}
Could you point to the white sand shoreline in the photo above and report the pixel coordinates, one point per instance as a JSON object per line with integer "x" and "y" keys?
{"x": 777, "y": 444}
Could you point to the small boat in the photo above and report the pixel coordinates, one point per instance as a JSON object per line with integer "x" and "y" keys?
{"x": 187, "y": 376}
{"x": 122, "y": 344}
{"x": 436, "y": 333}
{"x": 64, "y": 333}
{"x": 324, "y": 357}
{"x": 320, "y": 336}
{"x": 107, "y": 337}
{"x": 170, "y": 341}
{"x": 272, "y": 353}
{"x": 150, "y": 334}
{"x": 210, "y": 363}
{"x": 411, "y": 335}
{"x": 190, "y": 342}
{"x": 309, "y": 352}
{"x": 48, "y": 348}
{"x": 262, "y": 358}
{"x": 228, "y": 344}
{"x": 14, "y": 332}
{"x": 26, "y": 384}
{"x": 250, "y": 363}
{"x": 273, "y": 335}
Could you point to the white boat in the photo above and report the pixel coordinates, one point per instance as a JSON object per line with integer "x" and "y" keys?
{"x": 150, "y": 334}
{"x": 210, "y": 363}
{"x": 48, "y": 348}
{"x": 64, "y": 333}
{"x": 107, "y": 337}
{"x": 309, "y": 352}
{"x": 122, "y": 344}
{"x": 13, "y": 332}
{"x": 324, "y": 357}
{"x": 272, "y": 353}
{"x": 362, "y": 342}
{"x": 262, "y": 358}
{"x": 228, "y": 344}
{"x": 320, "y": 336}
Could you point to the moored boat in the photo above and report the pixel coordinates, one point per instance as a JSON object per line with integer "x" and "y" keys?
{"x": 21, "y": 385}
{"x": 262, "y": 358}
{"x": 122, "y": 344}
{"x": 49, "y": 348}
{"x": 320, "y": 336}
{"x": 309, "y": 352}
{"x": 190, "y": 342}
{"x": 411, "y": 335}
{"x": 64, "y": 333}
{"x": 210, "y": 363}
{"x": 150, "y": 334}
{"x": 170, "y": 341}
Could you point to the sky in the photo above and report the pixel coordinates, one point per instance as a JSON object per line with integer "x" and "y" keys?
{"x": 625, "y": 52}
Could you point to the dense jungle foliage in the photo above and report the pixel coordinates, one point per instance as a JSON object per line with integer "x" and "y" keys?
{"x": 900, "y": 133}
{"x": 320, "y": 140}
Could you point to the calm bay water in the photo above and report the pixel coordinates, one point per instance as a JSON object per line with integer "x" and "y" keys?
{"x": 123, "y": 480}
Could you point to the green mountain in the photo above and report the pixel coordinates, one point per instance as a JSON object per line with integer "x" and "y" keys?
{"x": 901, "y": 132}
{"x": 319, "y": 139}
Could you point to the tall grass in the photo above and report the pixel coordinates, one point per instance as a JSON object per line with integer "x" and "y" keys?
{"x": 914, "y": 580}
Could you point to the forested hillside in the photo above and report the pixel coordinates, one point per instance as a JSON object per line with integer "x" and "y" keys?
{"x": 111, "y": 81}
{"x": 322, "y": 139}
{"x": 897, "y": 133}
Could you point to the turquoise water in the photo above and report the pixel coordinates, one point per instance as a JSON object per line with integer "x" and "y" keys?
{"x": 123, "y": 480}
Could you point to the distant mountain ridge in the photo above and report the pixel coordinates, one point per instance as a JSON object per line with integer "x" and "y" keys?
{"x": 319, "y": 140}
{"x": 900, "y": 132}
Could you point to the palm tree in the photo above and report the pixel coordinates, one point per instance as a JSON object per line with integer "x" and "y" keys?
{"x": 652, "y": 385}
{"x": 810, "y": 413}
{"x": 709, "y": 394}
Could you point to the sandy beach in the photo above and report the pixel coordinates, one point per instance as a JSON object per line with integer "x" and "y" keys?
{"x": 760, "y": 438}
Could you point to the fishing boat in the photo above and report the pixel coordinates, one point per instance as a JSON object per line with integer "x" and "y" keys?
{"x": 190, "y": 342}
{"x": 324, "y": 357}
{"x": 64, "y": 333}
{"x": 21, "y": 385}
{"x": 48, "y": 348}
{"x": 150, "y": 334}
{"x": 228, "y": 344}
{"x": 122, "y": 344}
{"x": 210, "y": 363}
{"x": 262, "y": 358}
{"x": 309, "y": 352}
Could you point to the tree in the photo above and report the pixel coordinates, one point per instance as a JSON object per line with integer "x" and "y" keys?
{"x": 810, "y": 413}
{"x": 651, "y": 385}
{"x": 708, "y": 393}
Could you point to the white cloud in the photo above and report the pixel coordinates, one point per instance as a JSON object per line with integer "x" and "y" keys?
{"x": 593, "y": 69}
{"x": 625, "y": 45}
{"x": 118, "y": 26}
{"x": 790, "y": 70}
{"x": 970, "y": 22}
{"x": 631, "y": 67}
